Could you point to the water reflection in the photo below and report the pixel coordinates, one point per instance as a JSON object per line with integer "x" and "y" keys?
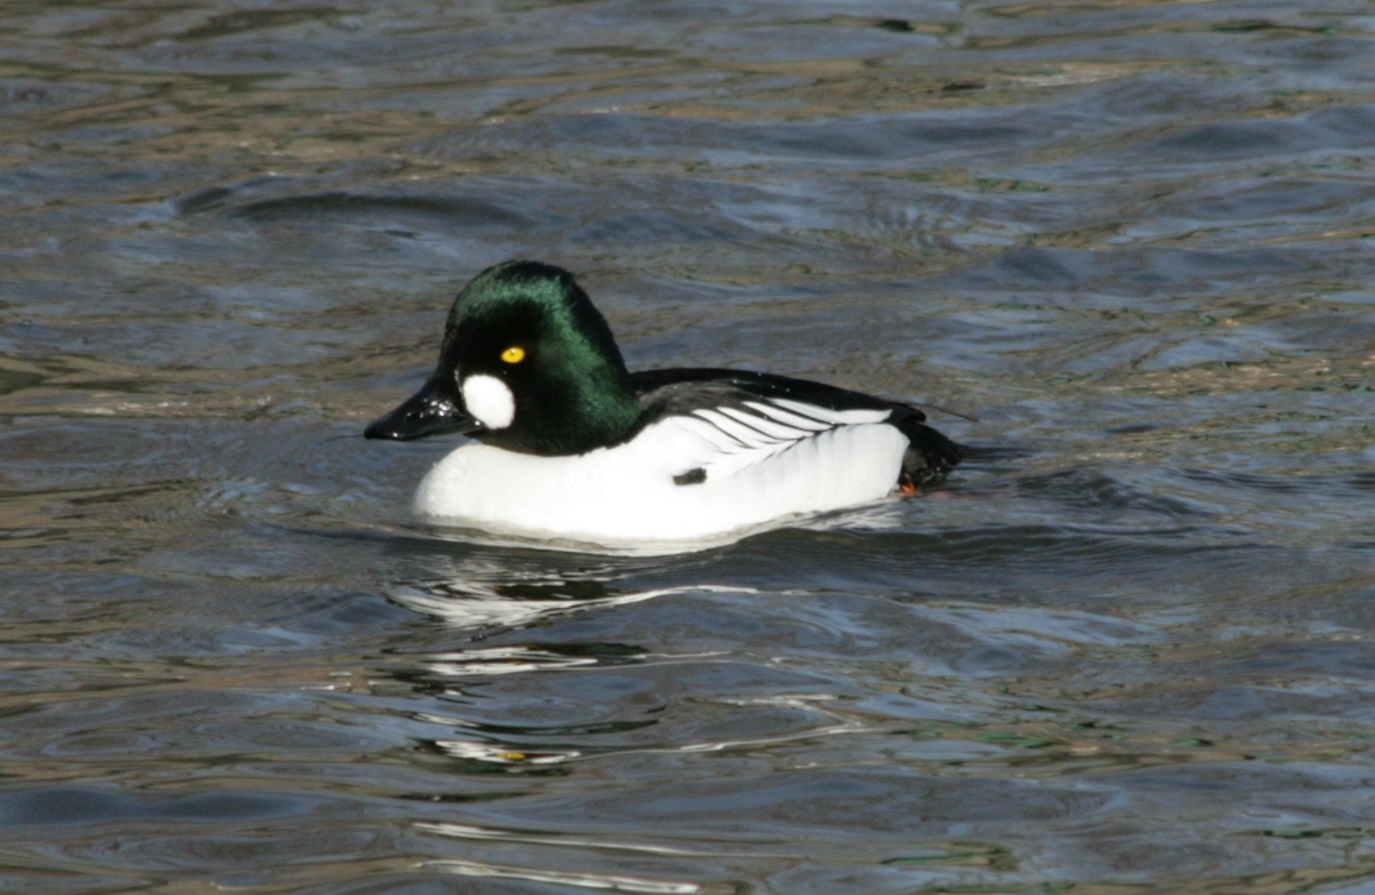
{"x": 595, "y": 881}
{"x": 477, "y": 583}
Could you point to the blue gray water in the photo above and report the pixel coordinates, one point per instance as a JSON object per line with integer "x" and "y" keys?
{"x": 1131, "y": 240}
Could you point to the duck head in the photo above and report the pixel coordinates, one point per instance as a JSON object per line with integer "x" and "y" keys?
{"x": 527, "y": 364}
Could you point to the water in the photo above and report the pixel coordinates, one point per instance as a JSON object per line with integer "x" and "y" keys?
{"x": 1132, "y": 240}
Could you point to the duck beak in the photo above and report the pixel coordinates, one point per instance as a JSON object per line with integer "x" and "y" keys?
{"x": 437, "y": 409}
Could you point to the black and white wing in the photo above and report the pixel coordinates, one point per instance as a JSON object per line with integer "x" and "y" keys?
{"x": 723, "y": 422}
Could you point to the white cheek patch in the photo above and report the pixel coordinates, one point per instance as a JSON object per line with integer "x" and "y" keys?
{"x": 489, "y": 401}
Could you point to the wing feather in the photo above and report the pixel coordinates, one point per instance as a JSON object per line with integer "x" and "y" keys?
{"x": 834, "y": 417}
{"x": 745, "y": 434}
{"x": 726, "y": 439}
{"x": 769, "y": 425}
{"x": 704, "y": 431}
{"x": 804, "y": 423}
{"x": 708, "y": 424}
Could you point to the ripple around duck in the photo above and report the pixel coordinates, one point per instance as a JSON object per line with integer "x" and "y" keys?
{"x": 856, "y": 142}
{"x": 450, "y": 212}
{"x": 1156, "y": 274}
{"x": 79, "y": 805}
{"x": 1328, "y": 131}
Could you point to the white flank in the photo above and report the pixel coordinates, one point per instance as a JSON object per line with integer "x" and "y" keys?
{"x": 489, "y": 401}
{"x": 758, "y": 472}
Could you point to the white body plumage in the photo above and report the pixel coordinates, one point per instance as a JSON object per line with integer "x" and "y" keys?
{"x": 757, "y": 468}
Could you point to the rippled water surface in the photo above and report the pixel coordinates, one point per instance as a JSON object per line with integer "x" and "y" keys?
{"x": 1129, "y": 240}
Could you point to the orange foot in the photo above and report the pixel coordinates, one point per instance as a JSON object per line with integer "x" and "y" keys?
{"x": 907, "y": 487}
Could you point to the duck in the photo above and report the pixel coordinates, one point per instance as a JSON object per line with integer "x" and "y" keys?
{"x": 567, "y": 446}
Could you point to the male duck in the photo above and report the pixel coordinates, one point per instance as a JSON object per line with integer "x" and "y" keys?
{"x": 575, "y": 447}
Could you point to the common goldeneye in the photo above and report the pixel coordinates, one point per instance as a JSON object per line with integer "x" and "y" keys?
{"x": 573, "y": 447}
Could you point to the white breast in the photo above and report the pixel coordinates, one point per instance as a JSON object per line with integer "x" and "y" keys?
{"x": 626, "y": 495}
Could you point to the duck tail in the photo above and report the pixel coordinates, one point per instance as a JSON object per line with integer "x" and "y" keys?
{"x": 930, "y": 456}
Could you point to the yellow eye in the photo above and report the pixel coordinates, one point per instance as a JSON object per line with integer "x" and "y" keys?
{"x": 513, "y": 355}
